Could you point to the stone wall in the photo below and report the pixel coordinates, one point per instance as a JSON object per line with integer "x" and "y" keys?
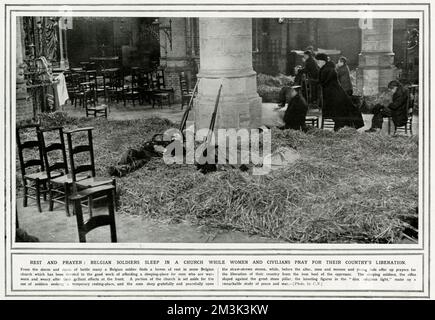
{"x": 23, "y": 107}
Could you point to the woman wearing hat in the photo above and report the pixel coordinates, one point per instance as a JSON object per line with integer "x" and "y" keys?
{"x": 294, "y": 115}
{"x": 337, "y": 105}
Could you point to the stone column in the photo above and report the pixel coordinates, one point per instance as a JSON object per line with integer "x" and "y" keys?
{"x": 376, "y": 58}
{"x": 226, "y": 58}
{"x": 175, "y": 60}
{"x": 24, "y": 108}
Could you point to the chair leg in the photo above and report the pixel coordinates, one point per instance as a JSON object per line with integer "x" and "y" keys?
{"x": 44, "y": 195}
{"x": 50, "y": 197}
{"x": 79, "y": 218}
{"x": 26, "y": 190}
{"x": 38, "y": 195}
{"x": 66, "y": 190}
{"x": 112, "y": 217}
{"x": 90, "y": 205}
{"x": 114, "y": 192}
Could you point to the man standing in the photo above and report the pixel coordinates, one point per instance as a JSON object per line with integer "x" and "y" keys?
{"x": 344, "y": 76}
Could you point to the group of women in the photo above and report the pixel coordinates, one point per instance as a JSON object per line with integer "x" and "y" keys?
{"x": 336, "y": 88}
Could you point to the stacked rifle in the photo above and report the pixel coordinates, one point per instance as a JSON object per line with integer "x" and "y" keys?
{"x": 134, "y": 159}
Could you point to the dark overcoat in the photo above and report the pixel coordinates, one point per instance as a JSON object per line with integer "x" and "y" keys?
{"x": 399, "y": 107}
{"x": 311, "y": 69}
{"x": 294, "y": 116}
{"x": 337, "y": 105}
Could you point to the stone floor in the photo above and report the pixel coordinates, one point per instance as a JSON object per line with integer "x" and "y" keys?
{"x": 174, "y": 113}
{"x": 55, "y": 226}
{"x": 117, "y": 111}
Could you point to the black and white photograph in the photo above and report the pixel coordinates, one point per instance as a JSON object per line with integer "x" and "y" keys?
{"x": 212, "y": 151}
{"x": 108, "y": 108}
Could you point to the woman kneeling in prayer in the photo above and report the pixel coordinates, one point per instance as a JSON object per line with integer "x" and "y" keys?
{"x": 297, "y": 107}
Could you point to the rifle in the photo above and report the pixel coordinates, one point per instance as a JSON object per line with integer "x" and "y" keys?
{"x": 189, "y": 107}
{"x": 207, "y": 167}
{"x": 213, "y": 117}
{"x": 158, "y": 137}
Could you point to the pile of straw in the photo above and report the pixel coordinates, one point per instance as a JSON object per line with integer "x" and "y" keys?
{"x": 346, "y": 187}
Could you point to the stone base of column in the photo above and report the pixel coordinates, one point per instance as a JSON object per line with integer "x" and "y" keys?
{"x": 172, "y": 72}
{"x": 239, "y": 105}
{"x": 375, "y": 71}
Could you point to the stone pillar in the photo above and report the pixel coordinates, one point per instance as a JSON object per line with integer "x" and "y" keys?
{"x": 376, "y": 58}
{"x": 177, "y": 59}
{"x": 226, "y": 58}
{"x": 24, "y": 108}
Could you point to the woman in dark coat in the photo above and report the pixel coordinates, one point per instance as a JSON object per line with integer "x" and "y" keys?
{"x": 397, "y": 109}
{"x": 344, "y": 76}
{"x": 297, "y": 108}
{"x": 337, "y": 105}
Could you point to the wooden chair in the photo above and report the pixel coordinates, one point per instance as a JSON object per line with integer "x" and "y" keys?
{"x": 116, "y": 89}
{"x": 85, "y": 167}
{"x": 145, "y": 87}
{"x": 90, "y": 97}
{"x": 161, "y": 92}
{"x": 312, "y": 120}
{"x": 100, "y": 89}
{"x": 38, "y": 178}
{"x": 59, "y": 185}
{"x": 99, "y": 220}
{"x": 186, "y": 94}
{"x": 70, "y": 85}
{"x": 87, "y": 94}
{"x": 132, "y": 91}
{"x": 97, "y": 110}
{"x": 327, "y": 123}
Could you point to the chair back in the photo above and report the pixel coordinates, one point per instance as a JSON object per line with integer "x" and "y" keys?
{"x": 184, "y": 85}
{"x": 82, "y": 76}
{"x": 92, "y": 75}
{"x": 51, "y": 162}
{"x": 88, "y": 147}
{"x": 135, "y": 78}
{"x": 159, "y": 81}
{"x": 412, "y": 97}
{"x": 37, "y": 159}
{"x": 116, "y": 79}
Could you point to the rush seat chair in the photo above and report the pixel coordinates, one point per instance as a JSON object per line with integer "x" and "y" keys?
{"x": 85, "y": 166}
{"x": 59, "y": 186}
{"x": 84, "y": 227}
{"x": 37, "y": 178}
